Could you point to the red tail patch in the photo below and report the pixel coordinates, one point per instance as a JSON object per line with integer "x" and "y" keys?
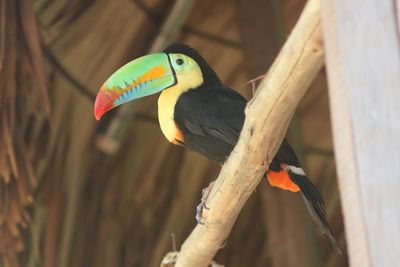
{"x": 282, "y": 180}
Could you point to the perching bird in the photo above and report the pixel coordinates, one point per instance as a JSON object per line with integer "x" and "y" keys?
{"x": 197, "y": 111}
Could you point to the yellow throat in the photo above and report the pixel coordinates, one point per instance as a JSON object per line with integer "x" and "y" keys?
{"x": 186, "y": 80}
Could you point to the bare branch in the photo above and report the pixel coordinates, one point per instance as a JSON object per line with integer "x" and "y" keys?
{"x": 267, "y": 118}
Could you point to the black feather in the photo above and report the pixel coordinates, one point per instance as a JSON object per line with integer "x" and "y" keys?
{"x": 210, "y": 118}
{"x": 316, "y": 206}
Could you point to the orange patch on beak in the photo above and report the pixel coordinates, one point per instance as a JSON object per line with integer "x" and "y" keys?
{"x": 152, "y": 74}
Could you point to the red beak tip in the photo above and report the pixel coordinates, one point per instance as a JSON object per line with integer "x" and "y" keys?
{"x": 103, "y": 103}
{"x": 98, "y": 113}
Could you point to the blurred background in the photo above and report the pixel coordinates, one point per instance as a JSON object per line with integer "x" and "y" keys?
{"x": 76, "y": 192}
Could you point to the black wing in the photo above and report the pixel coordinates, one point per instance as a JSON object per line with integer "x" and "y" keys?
{"x": 210, "y": 120}
{"x": 286, "y": 154}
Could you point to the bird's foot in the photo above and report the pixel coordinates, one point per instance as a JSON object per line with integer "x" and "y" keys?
{"x": 204, "y": 196}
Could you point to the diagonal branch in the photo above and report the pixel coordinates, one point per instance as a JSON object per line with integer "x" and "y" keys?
{"x": 267, "y": 117}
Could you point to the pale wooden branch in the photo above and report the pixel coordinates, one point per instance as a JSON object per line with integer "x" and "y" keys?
{"x": 170, "y": 259}
{"x": 267, "y": 118}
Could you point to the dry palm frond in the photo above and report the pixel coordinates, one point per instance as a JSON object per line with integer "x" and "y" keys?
{"x": 21, "y": 65}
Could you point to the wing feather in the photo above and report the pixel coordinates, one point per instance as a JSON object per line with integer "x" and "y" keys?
{"x": 211, "y": 120}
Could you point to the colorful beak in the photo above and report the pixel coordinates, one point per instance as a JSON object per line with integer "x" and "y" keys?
{"x": 141, "y": 77}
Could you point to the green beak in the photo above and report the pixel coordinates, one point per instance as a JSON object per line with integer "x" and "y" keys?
{"x": 141, "y": 77}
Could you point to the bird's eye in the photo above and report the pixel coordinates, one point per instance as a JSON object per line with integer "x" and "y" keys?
{"x": 179, "y": 61}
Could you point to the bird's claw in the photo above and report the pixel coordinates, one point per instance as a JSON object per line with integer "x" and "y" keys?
{"x": 199, "y": 209}
{"x": 199, "y": 213}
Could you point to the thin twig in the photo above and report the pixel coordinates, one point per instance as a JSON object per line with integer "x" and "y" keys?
{"x": 173, "y": 242}
{"x": 255, "y": 79}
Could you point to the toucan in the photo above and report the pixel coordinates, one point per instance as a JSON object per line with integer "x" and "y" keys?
{"x": 197, "y": 111}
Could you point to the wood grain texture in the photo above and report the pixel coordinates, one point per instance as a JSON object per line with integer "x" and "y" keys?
{"x": 267, "y": 119}
{"x": 398, "y": 13}
{"x": 363, "y": 60}
{"x": 295, "y": 244}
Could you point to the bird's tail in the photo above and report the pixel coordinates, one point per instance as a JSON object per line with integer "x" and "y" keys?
{"x": 315, "y": 204}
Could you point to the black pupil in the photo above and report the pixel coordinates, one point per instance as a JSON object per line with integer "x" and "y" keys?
{"x": 179, "y": 61}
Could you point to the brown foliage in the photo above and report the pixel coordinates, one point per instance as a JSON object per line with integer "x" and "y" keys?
{"x": 65, "y": 203}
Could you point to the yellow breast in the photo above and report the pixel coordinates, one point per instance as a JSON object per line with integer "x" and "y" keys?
{"x": 169, "y": 97}
{"x": 166, "y": 108}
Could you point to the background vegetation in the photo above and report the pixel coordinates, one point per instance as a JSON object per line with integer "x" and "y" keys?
{"x": 74, "y": 192}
